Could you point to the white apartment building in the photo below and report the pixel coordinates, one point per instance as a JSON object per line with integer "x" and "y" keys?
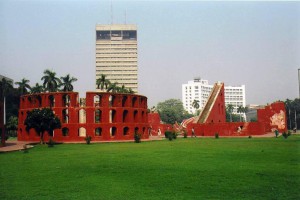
{"x": 116, "y": 54}
{"x": 199, "y": 89}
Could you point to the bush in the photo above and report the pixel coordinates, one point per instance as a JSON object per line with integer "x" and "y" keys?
{"x": 25, "y": 148}
{"x": 88, "y": 139}
{"x": 289, "y": 133}
{"x": 170, "y": 137}
{"x": 175, "y": 135}
{"x": 137, "y": 137}
{"x": 276, "y": 133}
{"x": 250, "y": 136}
{"x": 184, "y": 134}
{"x": 216, "y": 135}
{"x": 51, "y": 142}
{"x": 168, "y": 133}
{"x": 285, "y": 135}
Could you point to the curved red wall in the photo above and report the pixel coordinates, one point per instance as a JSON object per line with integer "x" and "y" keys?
{"x": 109, "y": 116}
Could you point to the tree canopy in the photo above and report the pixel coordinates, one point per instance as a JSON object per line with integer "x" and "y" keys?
{"x": 172, "y": 111}
{"x": 42, "y": 120}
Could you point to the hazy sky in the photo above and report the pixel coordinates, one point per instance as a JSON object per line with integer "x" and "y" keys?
{"x": 252, "y": 43}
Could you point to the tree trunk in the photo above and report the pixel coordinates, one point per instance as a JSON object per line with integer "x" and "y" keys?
{"x": 41, "y": 137}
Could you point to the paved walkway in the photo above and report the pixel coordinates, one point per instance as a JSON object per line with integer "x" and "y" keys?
{"x": 18, "y": 145}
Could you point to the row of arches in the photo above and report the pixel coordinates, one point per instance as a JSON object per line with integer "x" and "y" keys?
{"x": 127, "y": 116}
{"x": 36, "y": 100}
{"x": 98, "y": 131}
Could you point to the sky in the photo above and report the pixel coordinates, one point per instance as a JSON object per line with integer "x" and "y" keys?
{"x": 256, "y": 44}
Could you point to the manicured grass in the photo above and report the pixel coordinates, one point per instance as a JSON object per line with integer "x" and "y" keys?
{"x": 193, "y": 168}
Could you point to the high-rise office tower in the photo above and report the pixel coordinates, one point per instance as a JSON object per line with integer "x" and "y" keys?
{"x": 116, "y": 54}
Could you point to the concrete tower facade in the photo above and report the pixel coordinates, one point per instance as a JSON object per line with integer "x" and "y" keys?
{"x": 116, "y": 54}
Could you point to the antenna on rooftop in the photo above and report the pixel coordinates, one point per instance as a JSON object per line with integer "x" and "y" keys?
{"x": 125, "y": 15}
{"x": 111, "y": 12}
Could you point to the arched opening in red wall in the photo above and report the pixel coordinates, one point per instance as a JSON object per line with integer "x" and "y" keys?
{"x": 134, "y": 102}
{"x": 66, "y": 100}
{"x": 65, "y": 131}
{"x": 124, "y": 101}
{"x": 38, "y": 101}
{"x": 125, "y": 116}
{"x": 98, "y": 131}
{"x": 65, "y": 115}
{"x": 51, "y": 99}
{"x": 82, "y": 116}
{"x": 143, "y": 117}
{"x": 81, "y": 132}
{"x": 113, "y": 131}
{"x": 98, "y": 115}
{"x": 136, "y": 130}
{"x": 126, "y": 131}
{"x": 97, "y": 101}
{"x": 111, "y": 100}
{"x": 112, "y": 116}
{"x": 135, "y": 116}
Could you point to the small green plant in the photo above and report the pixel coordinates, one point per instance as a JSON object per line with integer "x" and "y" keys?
{"x": 51, "y": 142}
{"x": 276, "y": 133}
{"x": 289, "y": 133}
{"x": 285, "y": 135}
{"x": 25, "y": 148}
{"x": 217, "y": 135}
{"x": 170, "y": 137}
{"x": 250, "y": 136}
{"x": 168, "y": 133}
{"x": 137, "y": 137}
{"x": 184, "y": 134}
{"x": 175, "y": 135}
{"x": 88, "y": 139}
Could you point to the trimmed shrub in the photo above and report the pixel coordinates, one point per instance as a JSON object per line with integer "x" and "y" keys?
{"x": 276, "y": 133}
{"x": 137, "y": 137}
{"x": 88, "y": 139}
{"x": 216, "y": 135}
{"x": 250, "y": 136}
{"x": 285, "y": 135}
{"x": 184, "y": 134}
{"x": 51, "y": 142}
{"x": 167, "y": 133}
{"x": 289, "y": 133}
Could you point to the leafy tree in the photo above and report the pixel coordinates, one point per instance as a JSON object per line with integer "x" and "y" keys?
{"x": 12, "y": 126}
{"x": 229, "y": 109}
{"x": 240, "y": 110}
{"x": 67, "y": 83}
{"x": 293, "y": 113}
{"x": 51, "y": 82}
{"x": 172, "y": 111}
{"x": 42, "y": 120}
{"x": 23, "y": 86}
{"x": 232, "y": 117}
{"x": 36, "y": 89}
{"x": 5, "y": 88}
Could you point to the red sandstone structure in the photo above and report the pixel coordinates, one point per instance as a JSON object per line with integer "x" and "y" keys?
{"x": 212, "y": 119}
{"x": 103, "y": 116}
{"x": 115, "y": 117}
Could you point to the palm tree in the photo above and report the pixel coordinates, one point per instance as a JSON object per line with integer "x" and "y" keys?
{"x": 51, "y": 82}
{"x": 230, "y": 108}
{"x": 5, "y": 88}
{"x": 130, "y": 91}
{"x": 102, "y": 82}
{"x": 113, "y": 87}
{"x": 123, "y": 89}
{"x": 36, "y": 89}
{"x": 67, "y": 83}
{"x": 240, "y": 110}
{"x": 23, "y": 86}
{"x": 196, "y": 105}
{"x": 245, "y": 110}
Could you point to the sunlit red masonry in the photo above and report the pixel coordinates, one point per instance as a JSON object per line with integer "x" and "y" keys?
{"x": 114, "y": 117}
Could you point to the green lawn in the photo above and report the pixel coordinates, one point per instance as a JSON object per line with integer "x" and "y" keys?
{"x": 193, "y": 168}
